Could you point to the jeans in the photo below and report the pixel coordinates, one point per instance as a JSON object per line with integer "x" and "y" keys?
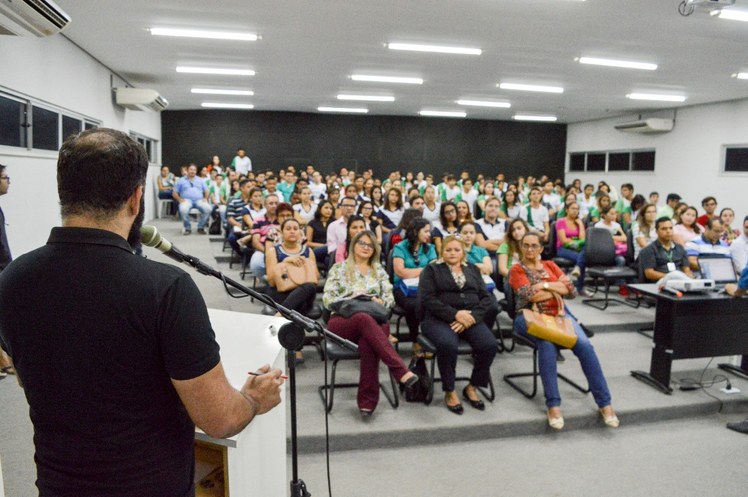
{"x": 257, "y": 263}
{"x": 321, "y": 255}
{"x": 547, "y": 364}
{"x": 204, "y": 208}
{"x": 446, "y": 340}
{"x": 578, "y": 259}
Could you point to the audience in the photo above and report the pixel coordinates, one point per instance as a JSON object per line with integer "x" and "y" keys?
{"x": 192, "y": 193}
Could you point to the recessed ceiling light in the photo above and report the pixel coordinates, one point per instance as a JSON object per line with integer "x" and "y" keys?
{"x": 442, "y": 113}
{"x": 222, "y": 105}
{"x": 210, "y": 91}
{"x": 386, "y": 79}
{"x": 627, "y": 64}
{"x": 212, "y": 70}
{"x": 417, "y": 47}
{"x": 524, "y": 87}
{"x": 199, "y": 33}
{"x": 485, "y": 103}
{"x": 347, "y": 110}
{"x": 742, "y": 75}
{"x": 366, "y": 98}
{"x": 533, "y": 117}
{"x": 731, "y": 14}
{"x": 658, "y": 97}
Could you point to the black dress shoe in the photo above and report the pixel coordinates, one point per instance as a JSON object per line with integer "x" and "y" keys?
{"x": 457, "y": 409}
{"x": 477, "y": 404}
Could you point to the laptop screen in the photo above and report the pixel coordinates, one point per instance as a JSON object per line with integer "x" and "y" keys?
{"x": 719, "y": 269}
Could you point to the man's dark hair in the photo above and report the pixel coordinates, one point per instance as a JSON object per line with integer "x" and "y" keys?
{"x": 710, "y": 222}
{"x": 706, "y": 200}
{"x": 244, "y": 181}
{"x": 2, "y": 168}
{"x": 673, "y": 196}
{"x": 628, "y": 186}
{"x": 97, "y": 171}
{"x": 660, "y": 220}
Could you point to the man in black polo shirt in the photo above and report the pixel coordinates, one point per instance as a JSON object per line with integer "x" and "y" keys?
{"x": 115, "y": 352}
{"x": 663, "y": 256}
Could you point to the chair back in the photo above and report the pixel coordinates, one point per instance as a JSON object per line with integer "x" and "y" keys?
{"x": 389, "y": 267}
{"x": 331, "y": 260}
{"x": 600, "y": 250}
{"x": 630, "y": 262}
{"x": 509, "y": 297}
{"x": 552, "y": 237}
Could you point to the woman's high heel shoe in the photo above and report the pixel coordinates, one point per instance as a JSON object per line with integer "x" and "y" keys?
{"x": 610, "y": 420}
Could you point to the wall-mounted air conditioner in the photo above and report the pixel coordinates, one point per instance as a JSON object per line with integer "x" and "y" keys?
{"x": 649, "y": 126}
{"x": 140, "y": 99}
{"x": 31, "y": 17}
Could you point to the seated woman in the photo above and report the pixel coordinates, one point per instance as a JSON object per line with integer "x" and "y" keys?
{"x": 447, "y": 223}
{"x": 409, "y": 257}
{"x": 509, "y": 251}
{"x": 643, "y": 229}
{"x": 609, "y": 215}
{"x": 455, "y": 303}
{"x": 356, "y": 224}
{"x": 570, "y": 236}
{"x": 686, "y": 227}
{"x": 166, "y": 182}
{"x": 392, "y": 211}
{"x": 290, "y": 251}
{"x": 534, "y": 282}
{"x": 304, "y": 210}
{"x": 398, "y": 234}
{"x": 727, "y": 216}
{"x": 316, "y": 230}
{"x": 361, "y": 274}
{"x": 475, "y": 254}
{"x": 366, "y": 211}
{"x": 510, "y": 206}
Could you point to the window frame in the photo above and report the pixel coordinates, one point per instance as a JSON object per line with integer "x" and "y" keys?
{"x": 607, "y": 154}
{"x": 723, "y": 159}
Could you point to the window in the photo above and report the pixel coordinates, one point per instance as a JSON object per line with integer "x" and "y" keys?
{"x": 45, "y": 128}
{"x": 12, "y": 122}
{"x": 70, "y": 126}
{"x": 149, "y": 144}
{"x": 736, "y": 159}
{"x": 615, "y": 161}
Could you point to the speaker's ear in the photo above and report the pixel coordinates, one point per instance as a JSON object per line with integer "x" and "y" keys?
{"x": 291, "y": 336}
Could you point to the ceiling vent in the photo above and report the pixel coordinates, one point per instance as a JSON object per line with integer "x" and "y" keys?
{"x": 649, "y": 126}
{"x": 31, "y": 17}
{"x": 140, "y": 99}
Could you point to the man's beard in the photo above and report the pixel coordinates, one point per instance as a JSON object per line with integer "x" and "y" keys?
{"x": 133, "y": 238}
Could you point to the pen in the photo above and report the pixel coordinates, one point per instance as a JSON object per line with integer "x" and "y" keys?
{"x": 258, "y": 374}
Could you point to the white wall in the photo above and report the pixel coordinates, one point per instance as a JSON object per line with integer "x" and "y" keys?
{"x": 688, "y": 160}
{"x": 54, "y": 71}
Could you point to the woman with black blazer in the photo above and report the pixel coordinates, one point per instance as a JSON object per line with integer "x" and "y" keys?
{"x": 456, "y": 305}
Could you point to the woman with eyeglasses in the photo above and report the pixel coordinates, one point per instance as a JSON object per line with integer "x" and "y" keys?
{"x": 362, "y": 274}
{"x": 447, "y": 224}
{"x": 366, "y": 211}
{"x": 409, "y": 257}
{"x": 455, "y": 304}
{"x": 534, "y": 283}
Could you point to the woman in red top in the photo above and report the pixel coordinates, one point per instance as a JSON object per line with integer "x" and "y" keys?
{"x": 534, "y": 282}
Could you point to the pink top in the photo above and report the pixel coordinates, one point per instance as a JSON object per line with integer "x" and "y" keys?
{"x": 561, "y": 224}
{"x": 341, "y": 253}
{"x": 686, "y": 234}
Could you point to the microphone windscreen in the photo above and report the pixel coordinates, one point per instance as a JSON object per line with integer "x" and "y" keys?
{"x": 149, "y": 236}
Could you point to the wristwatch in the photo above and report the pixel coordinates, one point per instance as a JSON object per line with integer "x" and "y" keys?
{"x": 545, "y": 285}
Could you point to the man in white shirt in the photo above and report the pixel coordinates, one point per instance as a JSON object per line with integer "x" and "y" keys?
{"x": 241, "y": 163}
{"x": 550, "y": 197}
{"x": 468, "y": 194}
{"x": 739, "y": 249}
{"x": 492, "y": 226}
{"x": 337, "y": 230}
{"x": 318, "y": 186}
{"x": 536, "y": 215}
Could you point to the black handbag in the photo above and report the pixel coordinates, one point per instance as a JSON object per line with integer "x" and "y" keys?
{"x": 362, "y": 303}
{"x": 420, "y": 391}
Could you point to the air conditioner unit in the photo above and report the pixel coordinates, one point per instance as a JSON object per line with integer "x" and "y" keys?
{"x": 647, "y": 126}
{"x": 710, "y": 4}
{"x": 140, "y": 99}
{"x": 31, "y": 17}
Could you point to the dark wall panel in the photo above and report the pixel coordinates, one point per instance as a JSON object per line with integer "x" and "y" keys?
{"x": 432, "y": 145}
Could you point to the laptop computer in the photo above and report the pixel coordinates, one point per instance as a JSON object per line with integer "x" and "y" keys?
{"x": 719, "y": 269}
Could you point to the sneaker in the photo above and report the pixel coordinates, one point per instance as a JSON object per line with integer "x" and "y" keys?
{"x": 187, "y": 232}
{"x": 575, "y": 272}
{"x": 584, "y": 293}
{"x": 740, "y": 426}
{"x": 201, "y": 231}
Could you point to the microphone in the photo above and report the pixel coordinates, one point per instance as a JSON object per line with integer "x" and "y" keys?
{"x": 671, "y": 291}
{"x": 150, "y": 237}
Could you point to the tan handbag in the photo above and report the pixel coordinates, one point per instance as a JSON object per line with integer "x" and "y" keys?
{"x": 289, "y": 276}
{"x": 557, "y": 329}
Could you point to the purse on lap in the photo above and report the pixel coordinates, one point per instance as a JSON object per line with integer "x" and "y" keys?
{"x": 362, "y": 303}
{"x": 289, "y": 276}
{"x": 556, "y": 329}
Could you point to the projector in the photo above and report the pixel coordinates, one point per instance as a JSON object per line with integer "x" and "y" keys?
{"x": 710, "y": 4}
{"x": 690, "y": 285}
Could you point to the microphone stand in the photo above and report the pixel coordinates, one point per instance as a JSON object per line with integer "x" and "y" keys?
{"x": 291, "y": 337}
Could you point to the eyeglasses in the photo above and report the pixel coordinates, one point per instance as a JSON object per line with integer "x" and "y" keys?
{"x": 530, "y": 246}
{"x": 348, "y": 205}
{"x": 365, "y": 245}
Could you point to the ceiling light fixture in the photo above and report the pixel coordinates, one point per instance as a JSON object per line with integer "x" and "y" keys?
{"x": 442, "y": 113}
{"x": 657, "y": 97}
{"x": 524, "y": 87}
{"x": 533, "y": 117}
{"x": 347, "y": 110}
{"x": 731, "y": 14}
{"x": 741, "y": 75}
{"x": 417, "y": 47}
{"x": 222, "y": 105}
{"x": 211, "y": 70}
{"x": 485, "y": 103}
{"x": 198, "y": 33}
{"x": 209, "y": 91}
{"x": 626, "y": 64}
{"x": 366, "y": 98}
{"x": 386, "y": 79}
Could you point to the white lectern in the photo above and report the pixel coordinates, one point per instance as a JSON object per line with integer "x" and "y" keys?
{"x": 252, "y": 463}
